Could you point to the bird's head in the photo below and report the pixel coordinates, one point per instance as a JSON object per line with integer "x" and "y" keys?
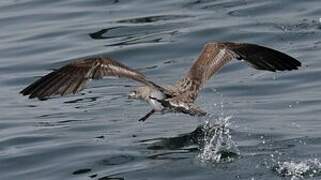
{"x": 142, "y": 93}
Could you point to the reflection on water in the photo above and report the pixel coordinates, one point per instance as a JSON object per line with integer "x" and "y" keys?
{"x": 173, "y": 143}
{"x": 212, "y": 140}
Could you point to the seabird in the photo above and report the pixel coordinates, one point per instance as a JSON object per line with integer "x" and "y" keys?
{"x": 180, "y": 97}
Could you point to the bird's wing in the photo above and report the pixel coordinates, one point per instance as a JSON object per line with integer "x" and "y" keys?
{"x": 215, "y": 55}
{"x": 74, "y": 76}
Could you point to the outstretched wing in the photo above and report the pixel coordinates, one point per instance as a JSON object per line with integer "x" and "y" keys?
{"x": 215, "y": 55}
{"x": 73, "y": 77}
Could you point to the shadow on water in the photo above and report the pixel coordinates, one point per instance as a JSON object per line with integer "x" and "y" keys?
{"x": 212, "y": 141}
{"x": 173, "y": 143}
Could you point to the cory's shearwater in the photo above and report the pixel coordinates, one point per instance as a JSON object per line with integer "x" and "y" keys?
{"x": 180, "y": 97}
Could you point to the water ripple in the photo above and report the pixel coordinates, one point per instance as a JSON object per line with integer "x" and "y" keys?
{"x": 95, "y": 135}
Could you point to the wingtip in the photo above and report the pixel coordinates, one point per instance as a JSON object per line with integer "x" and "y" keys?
{"x": 296, "y": 64}
{"x": 24, "y": 92}
{"x": 31, "y": 96}
{"x": 28, "y": 93}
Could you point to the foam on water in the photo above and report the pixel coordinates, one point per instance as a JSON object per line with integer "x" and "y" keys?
{"x": 298, "y": 170}
{"x": 217, "y": 145}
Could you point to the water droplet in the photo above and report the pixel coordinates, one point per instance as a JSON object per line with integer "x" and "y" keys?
{"x": 218, "y": 145}
{"x": 272, "y": 155}
{"x": 298, "y": 170}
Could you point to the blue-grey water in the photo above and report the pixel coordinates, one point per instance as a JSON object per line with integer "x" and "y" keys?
{"x": 262, "y": 126}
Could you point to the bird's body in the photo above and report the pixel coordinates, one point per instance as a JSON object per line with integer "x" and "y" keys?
{"x": 147, "y": 94}
{"x": 152, "y": 100}
{"x": 180, "y": 97}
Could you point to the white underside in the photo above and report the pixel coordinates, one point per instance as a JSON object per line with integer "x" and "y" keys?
{"x": 155, "y": 104}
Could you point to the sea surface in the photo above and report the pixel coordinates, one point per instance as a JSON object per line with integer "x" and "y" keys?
{"x": 262, "y": 125}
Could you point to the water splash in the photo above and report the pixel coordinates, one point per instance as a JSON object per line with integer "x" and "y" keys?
{"x": 299, "y": 170}
{"x": 217, "y": 145}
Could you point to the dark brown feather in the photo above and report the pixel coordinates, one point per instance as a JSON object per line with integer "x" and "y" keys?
{"x": 215, "y": 55}
{"x": 73, "y": 77}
